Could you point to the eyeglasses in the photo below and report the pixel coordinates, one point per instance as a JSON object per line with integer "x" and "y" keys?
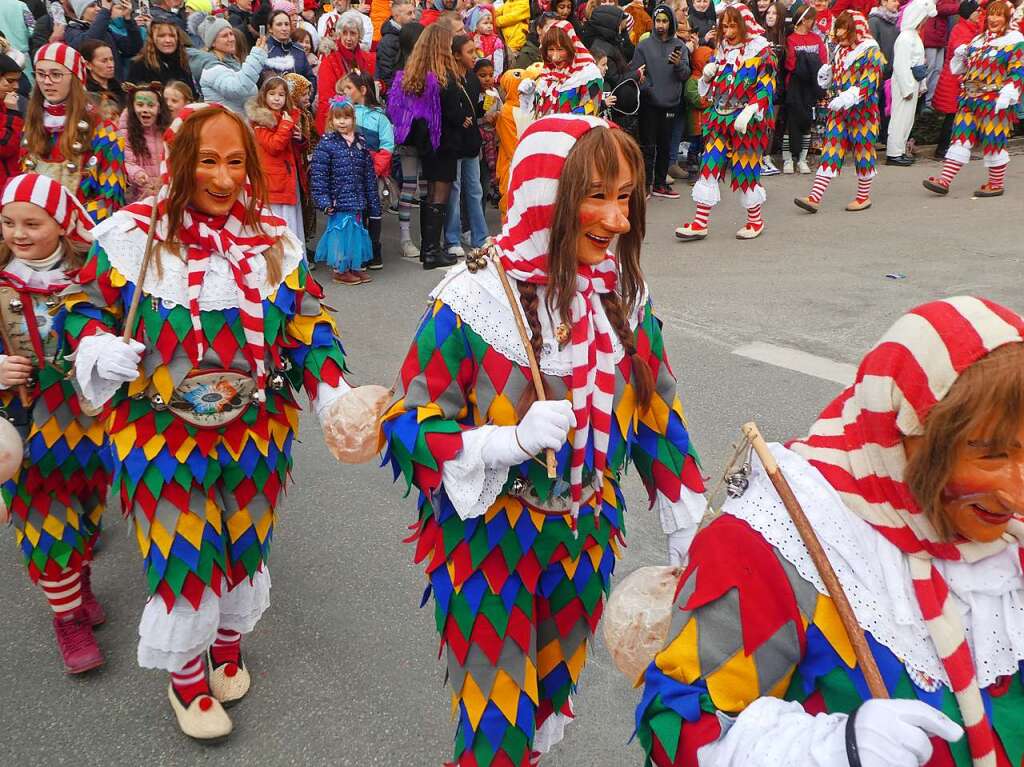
{"x": 51, "y": 75}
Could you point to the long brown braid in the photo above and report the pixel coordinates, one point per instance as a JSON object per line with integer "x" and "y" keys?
{"x": 643, "y": 378}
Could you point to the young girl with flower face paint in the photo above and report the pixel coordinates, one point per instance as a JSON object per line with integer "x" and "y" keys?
{"x": 913, "y": 480}
{"x": 57, "y": 496}
{"x": 142, "y": 129}
{"x": 519, "y": 563}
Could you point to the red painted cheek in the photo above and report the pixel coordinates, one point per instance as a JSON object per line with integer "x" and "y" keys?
{"x": 588, "y": 217}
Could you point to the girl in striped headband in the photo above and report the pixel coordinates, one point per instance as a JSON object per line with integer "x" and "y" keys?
{"x": 203, "y": 396}
{"x": 66, "y": 139}
{"x": 913, "y": 479}
{"x": 519, "y": 563}
{"x": 57, "y": 496}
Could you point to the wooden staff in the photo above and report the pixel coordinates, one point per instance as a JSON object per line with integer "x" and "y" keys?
{"x": 538, "y": 382}
{"x": 865, "y": 659}
{"x": 5, "y": 338}
{"x": 133, "y": 308}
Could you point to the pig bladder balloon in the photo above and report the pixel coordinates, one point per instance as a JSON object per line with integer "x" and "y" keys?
{"x": 12, "y": 450}
{"x": 638, "y": 617}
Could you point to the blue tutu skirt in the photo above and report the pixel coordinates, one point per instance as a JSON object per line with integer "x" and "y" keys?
{"x": 345, "y": 243}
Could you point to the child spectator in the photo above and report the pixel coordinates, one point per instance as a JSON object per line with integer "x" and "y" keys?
{"x": 695, "y": 106}
{"x": 301, "y": 91}
{"x": 142, "y": 127}
{"x": 488, "y": 109}
{"x": 304, "y": 39}
{"x": 11, "y": 118}
{"x": 176, "y": 95}
{"x": 274, "y": 120}
{"x": 513, "y": 19}
{"x": 374, "y": 127}
{"x": 665, "y": 63}
{"x": 480, "y": 24}
{"x": 805, "y": 55}
{"x": 344, "y": 187}
{"x": 389, "y": 47}
{"x": 774, "y": 22}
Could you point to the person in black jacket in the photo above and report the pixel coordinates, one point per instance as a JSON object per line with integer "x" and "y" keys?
{"x": 390, "y": 46}
{"x": 608, "y": 23}
{"x": 606, "y": 40}
{"x": 240, "y": 16}
{"x": 163, "y": 57}
{"x": 93, "y": 22}
{"x": 467, "y": 187}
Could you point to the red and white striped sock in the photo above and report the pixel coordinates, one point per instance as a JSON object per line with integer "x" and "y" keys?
{"x": 949, "y": 170}
{"x": 190, "y": 682}
{"x": 700, "y": 220}
{"x": 754, "y": 220}
{"x": 997, "y": 176}
{"x": 65, "y": 593}
{"x": 818, "y": 190}
{"x": 864, "y": 188}
{"x": 227, "y": 647}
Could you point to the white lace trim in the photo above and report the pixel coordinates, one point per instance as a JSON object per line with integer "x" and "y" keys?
{"x": 876, "y": 577}
{"x": 551, "y": 733}
{"x": 471, "y": 485}
{"x": 479, "y": 300}
{"x": 169, "y": 640}
{"x": 125, "y": 244}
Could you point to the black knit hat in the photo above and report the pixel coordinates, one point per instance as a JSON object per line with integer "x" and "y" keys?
{"x": 7, "y": 64}
{"x": 967, "y": 8}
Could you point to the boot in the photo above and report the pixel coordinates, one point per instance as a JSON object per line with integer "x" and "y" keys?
{"x": 432, "y": 252}
{"x": 77, "y": 645}
{"x": 93, "y": 609}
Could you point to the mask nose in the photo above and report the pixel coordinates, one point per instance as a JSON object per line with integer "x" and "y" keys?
{"x": 1011, "y": 490}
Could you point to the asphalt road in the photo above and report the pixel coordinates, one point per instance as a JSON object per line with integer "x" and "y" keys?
{"x": 345, "y": 663}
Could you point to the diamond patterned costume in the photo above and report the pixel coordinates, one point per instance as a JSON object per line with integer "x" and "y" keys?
{"x": 853, "y": 129}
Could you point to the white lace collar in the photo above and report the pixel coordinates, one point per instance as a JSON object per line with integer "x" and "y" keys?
{"x": 480, "y": 301}
{"x": 124, "y": 244}
{"x": 876, "y": 577}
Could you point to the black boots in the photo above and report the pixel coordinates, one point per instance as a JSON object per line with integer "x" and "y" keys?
{"x": 432, "y": 252}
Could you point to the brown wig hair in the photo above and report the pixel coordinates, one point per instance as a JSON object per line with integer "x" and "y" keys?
{"x": 136, "y": 133}
{"x": 732, "y": 14}
{"x": 557, "y": 38}
{"x": 37, "y": 139}
{"x": 595, "y": 155}
{"x": 986, "y": 403}
{"x": 432, "y": 53}
{"x": 845, "y": 22}
{"x": 999, "y": 8}
{"x": 149, "y": 54}
{"x": 181, "y": 166}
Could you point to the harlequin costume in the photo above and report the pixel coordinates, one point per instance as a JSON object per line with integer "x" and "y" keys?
{"x": 758, "y": 669}
{"x": 992, "y": 69}
{"x": 57, "y": 496}
{"x": 854, "y": 79}
{"x": 519, "y": 564}
{"x": 97, "y": 174}
{"x": 575, "y": 89}
{"x": 202, "y": 438}
{"x": 741, "y": 93}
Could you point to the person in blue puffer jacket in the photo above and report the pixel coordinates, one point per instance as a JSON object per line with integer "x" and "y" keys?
{"x": 376, "y": 130}
{"x": 344, "y": 186}
{"x": 283, "y": 55}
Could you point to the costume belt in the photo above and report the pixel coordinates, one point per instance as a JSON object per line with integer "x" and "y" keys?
{"x": 558, "y": 504}
{"x": 726, "y": 105}
{"x": 977, "y": 88}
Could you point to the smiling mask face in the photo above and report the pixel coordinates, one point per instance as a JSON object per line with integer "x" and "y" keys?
{"x": 220, "y": 167}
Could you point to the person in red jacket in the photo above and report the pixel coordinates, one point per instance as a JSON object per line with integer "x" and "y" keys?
{"x": 11, "y": 122}
{"x": 947, "y": 90}
{"x": 934, "y": 34}
{"x": 863, "y": 6}
{"x": 346, "y": 57}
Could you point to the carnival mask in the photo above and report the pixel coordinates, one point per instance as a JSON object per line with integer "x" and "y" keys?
{"x": 220, "y": 167}
{"x": 603, "y": 214}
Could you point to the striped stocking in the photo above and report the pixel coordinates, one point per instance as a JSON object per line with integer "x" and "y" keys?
{"x": 410, "y": 168}
{"x": 190, "y": 683}
{"x": 787, "y": 155}
{"x": 997, "y": 176}
{"x": 805, "y": 146}
{"x": 754, "y": 220}
{"x": 949, "y": 170}
{"x": 227, "y": 647}
{"x": 818, "y": 190}
{"x": 700, "y": 219}
{"x": 65, "y": 593}
{"x": 864, "y": 188}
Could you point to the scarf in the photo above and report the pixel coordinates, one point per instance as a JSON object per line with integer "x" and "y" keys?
{"x": 856, "y": 445}
{"x": 54, "y": 116}
{"x": 205, "y": 237}
{"x": 536, "y": 167}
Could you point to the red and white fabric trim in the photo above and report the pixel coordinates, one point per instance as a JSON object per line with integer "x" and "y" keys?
{"x": 64, "y": 55}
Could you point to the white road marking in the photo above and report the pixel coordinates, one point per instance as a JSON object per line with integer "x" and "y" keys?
{"x": 802, "y": 362}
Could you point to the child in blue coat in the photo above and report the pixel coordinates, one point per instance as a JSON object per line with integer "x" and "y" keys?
{"x": 344, "y": 186}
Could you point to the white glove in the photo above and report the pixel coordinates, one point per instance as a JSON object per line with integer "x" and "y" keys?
{"x": 679, "y": 545}
{"x": 958, "y": 63}
{"x": 709, "y": 71}
{"x": 745, "y": 117}
{"x": 119, "y": 361}
{"x": 1008, "y": 96}
{"x": 845, "y": 100}
{"x": 545, "y": 425}
{"x": 825, "y": 76}
{"x": 895, "y": 733}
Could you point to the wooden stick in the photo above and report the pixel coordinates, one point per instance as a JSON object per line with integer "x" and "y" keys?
{"x": 5, "y": 338}
{"x": 133, "y": 308}
{"x": 865, "y": 659}
{"x": 538, "y": 382}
